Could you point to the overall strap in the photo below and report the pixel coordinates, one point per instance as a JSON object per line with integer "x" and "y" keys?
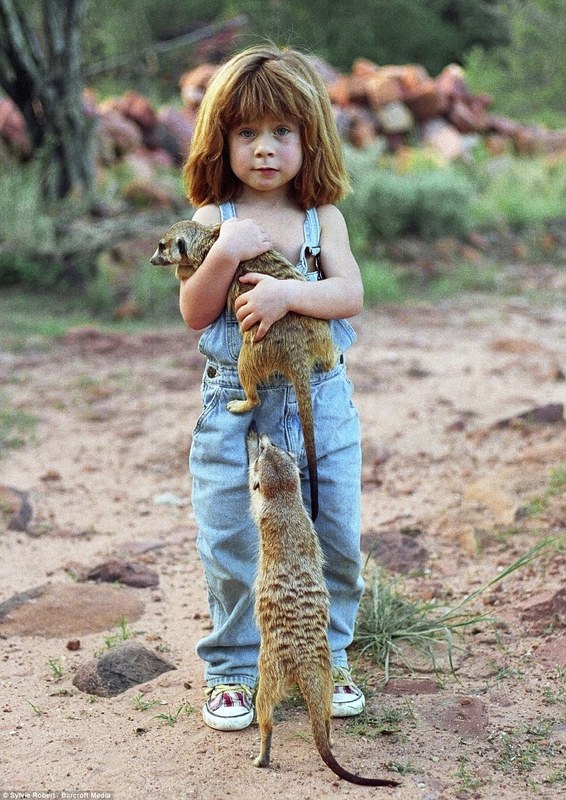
{"x": 227, "y": 210}
{"x": 311, "y": 246}
{"x": 311, "y": 228}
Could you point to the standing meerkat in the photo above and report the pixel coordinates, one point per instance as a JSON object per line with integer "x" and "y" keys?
{"x": 292, "y": 346}
{"x": 292, "y": 603}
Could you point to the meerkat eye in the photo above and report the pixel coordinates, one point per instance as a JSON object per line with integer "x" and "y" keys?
{"x": 182, "y": 245}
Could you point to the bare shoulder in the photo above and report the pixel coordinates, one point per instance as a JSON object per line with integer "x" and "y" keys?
{"x": 330, "y": 216}
{"x": 333, "y": 229}
{"x": 207, "y": 215}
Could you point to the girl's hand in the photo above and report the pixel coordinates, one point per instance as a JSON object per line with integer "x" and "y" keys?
{"x": 242, "y": 239}
{"x": 267, "y": 302}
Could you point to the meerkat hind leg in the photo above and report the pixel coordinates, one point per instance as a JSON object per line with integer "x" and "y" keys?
{"x": 265, "y": 702}
{"x": 252, "y": 398}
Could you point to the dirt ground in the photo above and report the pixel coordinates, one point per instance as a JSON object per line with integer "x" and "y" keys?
{"x": 452, "y": 494}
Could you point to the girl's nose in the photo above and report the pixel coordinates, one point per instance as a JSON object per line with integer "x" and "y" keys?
{"x": 264, "y": 144}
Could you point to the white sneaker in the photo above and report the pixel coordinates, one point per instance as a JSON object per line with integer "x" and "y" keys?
{"x": 348, "y": 700}
{"x": 229, "y": 707}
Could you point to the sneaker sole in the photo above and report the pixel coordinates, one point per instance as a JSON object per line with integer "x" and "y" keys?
{"x": 235, "y": 723}
{"x": 352, "y": 709}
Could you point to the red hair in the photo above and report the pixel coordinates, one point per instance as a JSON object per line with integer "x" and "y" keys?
{"x": 258, "y": 82}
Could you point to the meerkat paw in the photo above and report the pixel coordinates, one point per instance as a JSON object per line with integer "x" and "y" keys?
{"x": 240, "y": 406}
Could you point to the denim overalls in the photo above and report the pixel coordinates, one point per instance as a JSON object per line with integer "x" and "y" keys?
{"x": 227, "y": 536}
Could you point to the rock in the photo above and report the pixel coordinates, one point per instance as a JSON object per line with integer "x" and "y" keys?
{"x": 452, "y": 83}
{"x": 117, "y": 136}
{"x": 15, "y": 508}
{"x": 484, "y": 494}
{"x": 426, "y": 101}
{"x": 136, "y": 107}
{"x": 463, "y": 716}
{"x": 193, "y": 84}
{"x": 544, "y": 610}
{"x": 550, "y": 414}
{"x": 68, "y": 610}
{"x": 13, "y": 128}
{"x": 552, "y": 652}
{"x": 397, "y": 551}
{"x": 123, "y": 666}
{"x": 394, "y": 117}
{"x": 126, "y": 572}
{"x": 381, "y": 89}
{"x": 179, "y": 126}
{"x": 516, "y": 346}
{"x": 443, "y": 138}
{"x": 468, "y": 117}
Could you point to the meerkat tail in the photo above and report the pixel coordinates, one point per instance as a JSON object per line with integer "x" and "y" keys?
{"x": 321, "y": 740}
{"x": 302, "y": 384}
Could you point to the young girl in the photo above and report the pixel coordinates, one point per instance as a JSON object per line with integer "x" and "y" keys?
{"x": 266, "y": 162}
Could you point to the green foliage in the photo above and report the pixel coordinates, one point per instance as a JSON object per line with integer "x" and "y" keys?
{"x": 427, "y": 200}
{"x": 16, "y": 427}
{"x": 389, "y": 624}
{"x": 440, "y": 30}
{"x": 527, "y": 77}
{"x": 22, "y": 218}
{"x": 518, "y": 193}
{"x": 381, "y": 282}
{"x": 155, "y": 291}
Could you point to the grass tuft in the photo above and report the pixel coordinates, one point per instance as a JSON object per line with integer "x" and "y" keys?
{"x": 389, "y": 625}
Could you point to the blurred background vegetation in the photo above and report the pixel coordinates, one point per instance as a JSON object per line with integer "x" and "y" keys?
{"x": 510, "y": 49}
{"x": 513, "y": 49}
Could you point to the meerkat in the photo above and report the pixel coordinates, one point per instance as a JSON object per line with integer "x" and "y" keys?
{"x": 292, "y": 603}
{"x": 291, "y": 347}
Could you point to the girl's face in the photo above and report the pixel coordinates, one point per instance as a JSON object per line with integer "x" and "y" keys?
{"x": 265, "y": 154}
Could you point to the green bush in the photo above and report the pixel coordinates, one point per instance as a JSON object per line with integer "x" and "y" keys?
{"x": 22, "y": 219}
{"x": 442, "y": 202}
{"x": 519, "y": 194}
{"x": 427, "y": 199}
{"x": 381, "y": 283}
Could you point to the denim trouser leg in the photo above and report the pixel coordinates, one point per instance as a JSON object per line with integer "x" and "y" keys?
{"x": 228, "y": 539}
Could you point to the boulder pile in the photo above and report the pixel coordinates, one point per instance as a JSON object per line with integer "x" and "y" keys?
{"x": 397, "y": 103}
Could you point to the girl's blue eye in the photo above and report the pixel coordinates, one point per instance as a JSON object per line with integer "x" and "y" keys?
{"x": 246, "y": 133}
{"x": 282, "y": 131}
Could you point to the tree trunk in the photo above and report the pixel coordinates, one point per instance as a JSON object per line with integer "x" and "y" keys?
{"x": 45, "y": 82}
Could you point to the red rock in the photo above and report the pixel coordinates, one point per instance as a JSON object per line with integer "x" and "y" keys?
{"x": 552, "y": 652}
{"x": 545, "y": 609}
{"x": 443, "y": 138}
{"x": 126, "y": 572}
{"x": 15, "y": 508}
{"x": 383, "y": 88}
{"x": 136, "y": 107}
{"x": 463, "y": 716}
{"x": 452, "y": 83}
{"x": 69, "y": 610}
{"x": 426, "y": 100}
{"x": 193, "y": 83}
{"x": 117, "y": 136}
{"x": 468, "y": 117}
{"x": 364, "y": 68}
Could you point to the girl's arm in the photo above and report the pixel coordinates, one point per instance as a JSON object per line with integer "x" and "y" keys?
{"x": 340, "y": 295}
{"x": 203, "y": 296}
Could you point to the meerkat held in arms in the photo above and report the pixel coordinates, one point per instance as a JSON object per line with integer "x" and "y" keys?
{"x": 292, "y": 347}
{"x": 292, "y": 603}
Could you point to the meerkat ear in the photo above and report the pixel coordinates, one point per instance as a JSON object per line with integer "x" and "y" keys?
{"x": 255, "y": 486}
{"x": 182, "y": 245}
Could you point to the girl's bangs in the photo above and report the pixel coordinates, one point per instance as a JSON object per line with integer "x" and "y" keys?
{"x": 262, "y": 96}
